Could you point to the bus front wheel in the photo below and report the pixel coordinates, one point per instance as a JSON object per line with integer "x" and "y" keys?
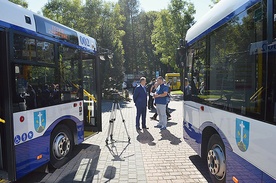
{"x": 61, "y": 146}
{"x": 216, "y": 160}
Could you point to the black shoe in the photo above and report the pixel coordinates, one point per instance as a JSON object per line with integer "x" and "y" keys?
{"x": 145, "y": 128}
{"x": 138, "y": 128}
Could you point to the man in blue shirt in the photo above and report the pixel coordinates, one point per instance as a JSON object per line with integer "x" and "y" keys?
{"x": 140, "y": 100}
{"x": 160, "y": 97}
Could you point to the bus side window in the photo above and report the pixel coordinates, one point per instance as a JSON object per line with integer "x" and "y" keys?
{"x": 32, "y": 87}
{"x": 70, "y": 65}
{"x": 21, "y": 84}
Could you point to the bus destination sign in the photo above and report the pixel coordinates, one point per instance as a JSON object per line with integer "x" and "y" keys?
{"x": 53, "y": 29}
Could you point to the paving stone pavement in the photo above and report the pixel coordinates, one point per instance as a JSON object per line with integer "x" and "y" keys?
{"x": 151, "y": 156}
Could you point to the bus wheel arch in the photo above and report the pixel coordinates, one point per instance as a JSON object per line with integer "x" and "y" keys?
{"x": 61, "y": 145}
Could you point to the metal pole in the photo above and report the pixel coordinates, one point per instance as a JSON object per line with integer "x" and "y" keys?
{"x": 99, "y": 95}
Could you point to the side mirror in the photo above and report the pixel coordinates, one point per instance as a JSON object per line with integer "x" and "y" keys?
{"x": 180, "y": 56}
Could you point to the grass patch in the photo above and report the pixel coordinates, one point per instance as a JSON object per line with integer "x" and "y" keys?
{"x": 177, "y": 92}
{"x": 205, "y": 97}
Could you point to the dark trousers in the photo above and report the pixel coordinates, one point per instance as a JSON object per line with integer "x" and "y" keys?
{"x": 150, "y": 102}
{"x": 141, "y": 111}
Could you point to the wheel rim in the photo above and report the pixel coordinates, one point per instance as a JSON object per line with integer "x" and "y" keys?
{"x": 216, "y": 162}
{"x": 61, "y": 146}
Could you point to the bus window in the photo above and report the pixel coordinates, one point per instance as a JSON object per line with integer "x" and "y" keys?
{"x": 34, "y": 87}
{"x": 233, "y": 78}
{"x": 45, "y": 52}
{"x": 71, "y": 79}
{"x": 24, "y": 47}
{"x": 196, "y": 67}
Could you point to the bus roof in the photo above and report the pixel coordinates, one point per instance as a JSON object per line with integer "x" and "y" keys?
{"x": 16, "y": 17}
{"x": 221, "y": 13}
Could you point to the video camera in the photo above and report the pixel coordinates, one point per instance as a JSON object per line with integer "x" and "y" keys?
{"x": 116, "y": 96}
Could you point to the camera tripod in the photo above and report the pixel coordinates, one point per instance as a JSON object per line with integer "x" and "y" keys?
{"x": 115, "y": 106}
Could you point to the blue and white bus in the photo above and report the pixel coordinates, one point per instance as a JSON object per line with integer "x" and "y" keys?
{"x": 230, "y": 90}
{"x": 49, "y": 90}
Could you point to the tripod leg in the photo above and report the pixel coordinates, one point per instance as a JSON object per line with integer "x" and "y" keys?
{"x": 111, "y": 122}
{"x": 123, "y": 121}
{"x": 114, "y": 119}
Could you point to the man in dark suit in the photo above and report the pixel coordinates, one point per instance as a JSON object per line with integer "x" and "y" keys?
{"x": 140, "y": 100}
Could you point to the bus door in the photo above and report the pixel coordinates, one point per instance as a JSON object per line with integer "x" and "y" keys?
{"x": 2, "y": 117}
{"x": 7, "y": 163}
{"x": 92, "y": 94}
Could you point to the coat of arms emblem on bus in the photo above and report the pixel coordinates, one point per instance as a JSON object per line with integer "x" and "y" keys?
{"x": 242, "y": 134}
{"x": 39, "y": 121}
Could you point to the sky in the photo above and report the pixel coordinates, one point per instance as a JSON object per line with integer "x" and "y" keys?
{"x": 201, "y": 6}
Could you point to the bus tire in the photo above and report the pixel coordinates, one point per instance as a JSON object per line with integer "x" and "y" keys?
{"x": 61, "y": 145}
{"x": 216, "y": 159}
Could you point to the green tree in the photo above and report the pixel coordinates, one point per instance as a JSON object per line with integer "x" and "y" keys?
{"x": 66, "y": 12}
{"x": 54, "y": 10}
{"x": 20, "y": 2}
{"x": 162, "y": 37}
{"x": 146, "y": 58}
{"x": 130, "y": 10}
{"x": 182, "y": 16}
{"x": 170, "y": 26}
{"x": 109, "y": 36}
{"x": 92, "y": 12}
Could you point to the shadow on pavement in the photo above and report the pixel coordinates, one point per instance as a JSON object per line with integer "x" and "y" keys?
{"x": 167, "y": 135}
{"x": 117, "y": 155}
{"x": 171, "y": 124}
{"x": 84, "y": 155}
{"x": 110, "y": 173}
{"x": 171, "y": 110}
{"x": 145, "y": 137}
{"x": 201, "y": 166}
